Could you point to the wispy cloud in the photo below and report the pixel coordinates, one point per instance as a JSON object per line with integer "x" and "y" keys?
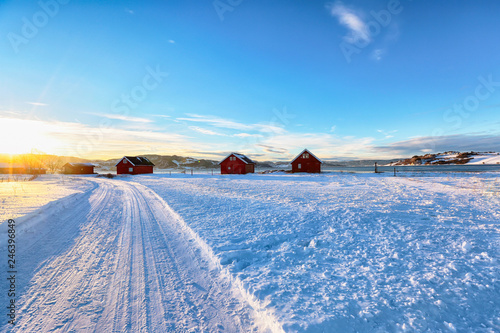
{"x": 358, "y": 29}
{"x": 205, "y": 131}
{"x": 37, "y": 103}
{"x": 322, "y": 144}
{"x": 273, "y": 150}
{"x": 387, "y": 134}
{"x": 122, "y": 117}
{"x": 247, "y": 135}
{"x": 76, "y": 139}
{"x": 230, "y": 124}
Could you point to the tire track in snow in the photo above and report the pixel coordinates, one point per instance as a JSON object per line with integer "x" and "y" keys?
{"x": 265, "y": 320}
{"x": 127, "y": 264}
{"x": 72, "y": 274}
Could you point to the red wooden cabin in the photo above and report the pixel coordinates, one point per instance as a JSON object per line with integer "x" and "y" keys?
{"x": 134, "y": 165}
{"x": 237, "y": 164}
{"x": 8, "y": 168}
{"x": 306, "y": 162}
{"x": 78, "y": 168}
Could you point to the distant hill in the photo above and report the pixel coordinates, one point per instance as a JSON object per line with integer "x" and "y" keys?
{"x": 326, "y": 163}
{"x": 21, "y": 158}
{"x": 357, "y": 163}
{"x": 451, "y": 158}
{"x": 54, "y": 163}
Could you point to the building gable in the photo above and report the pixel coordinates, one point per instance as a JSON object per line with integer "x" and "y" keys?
{"x": 308, "y": 154}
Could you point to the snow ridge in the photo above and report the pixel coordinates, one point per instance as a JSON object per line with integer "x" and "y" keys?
{"x": 265, "y": 318}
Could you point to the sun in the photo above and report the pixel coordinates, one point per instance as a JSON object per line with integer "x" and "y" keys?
{"x": 20, "y": 136}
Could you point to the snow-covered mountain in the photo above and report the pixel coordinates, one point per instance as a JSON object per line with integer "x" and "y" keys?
{"x": 452, "y": 157}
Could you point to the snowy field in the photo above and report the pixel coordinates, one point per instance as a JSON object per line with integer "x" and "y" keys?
{"x": 294, "y": 253}
{"x": 18, "y": 198}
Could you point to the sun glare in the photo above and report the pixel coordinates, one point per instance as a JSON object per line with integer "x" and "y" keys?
{"x": 19, "y": 136}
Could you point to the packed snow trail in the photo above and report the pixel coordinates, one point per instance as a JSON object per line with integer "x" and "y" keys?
{"x": 117, "y": 259}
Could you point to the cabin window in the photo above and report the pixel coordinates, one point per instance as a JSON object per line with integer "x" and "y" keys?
{"x": 300, "y": 166}
{"x": 124, "y": 161}
{"x": 130, "y": 169}
{"x": 229, "y": 168}
{"x": 305, "y": 155}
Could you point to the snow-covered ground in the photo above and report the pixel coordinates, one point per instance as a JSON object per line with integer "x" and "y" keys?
{"x": 480, "y": 158}
{"x": 354, "y": 252}
{"x": 486, "y": 158}
{"x": 278, "y": 252}
{"x": 18, "y": 198}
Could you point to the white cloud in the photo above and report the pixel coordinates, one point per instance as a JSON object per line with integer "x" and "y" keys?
{"x": 37, "y": 103}
{"x": 247, "y": 135}
{"x": 358, "y": 29}
{"x": 122, "y": 117}
{"x": 76, "y": 139}
{"x": 321, "y": 144}
{"x": 388, "y": 134}
{"x": 230, "y": 124}
{"x": 171, "y": 41}
{"x": 333, "y": 128}
{"x": 437, "y": 144}
{"x": 204, "y": 131}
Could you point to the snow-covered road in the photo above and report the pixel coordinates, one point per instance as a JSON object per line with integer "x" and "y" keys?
{"x": 116, "y": 258}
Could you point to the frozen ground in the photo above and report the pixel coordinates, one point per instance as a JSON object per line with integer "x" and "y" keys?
{"x": 294, "y": 253}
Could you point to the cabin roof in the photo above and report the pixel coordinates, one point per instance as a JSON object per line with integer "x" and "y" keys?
{"x": 137, "y": 160}
{"x": 306, "y": 151}
{"x": 241, "y": 157}
{"x": 80, "y": 164}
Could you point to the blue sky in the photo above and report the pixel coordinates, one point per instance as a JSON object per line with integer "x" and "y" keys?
{"x": 351, "y": 79}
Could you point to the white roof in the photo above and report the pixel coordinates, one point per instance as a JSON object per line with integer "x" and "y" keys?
{"x": 241, "y": 157}
{"x": 124, "y": 157}
{"x": 82, "y": 164}
{"x": 306, "y": 151}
